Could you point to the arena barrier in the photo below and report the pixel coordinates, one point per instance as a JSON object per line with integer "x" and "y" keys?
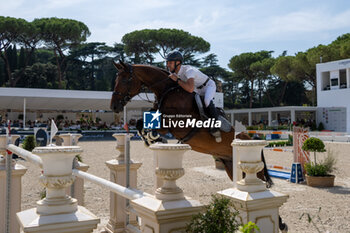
{"x": 131, "y": 210}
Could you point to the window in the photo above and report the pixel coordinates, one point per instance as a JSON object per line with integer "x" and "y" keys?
{"x": 334, "y": 82}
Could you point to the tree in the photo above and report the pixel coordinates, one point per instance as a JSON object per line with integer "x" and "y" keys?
{"x": 283, "y": 68}
{"x": 241, "y": 64}
{"x": 262, "y": 69}
{"x": 39, "y": 75}
{"x": 209, "y": 60}
{"x": 145, "y": 44}
{"x": 88, "y": 53}
{"x": 12, "y": 31}
{"x": 60, "y": 35}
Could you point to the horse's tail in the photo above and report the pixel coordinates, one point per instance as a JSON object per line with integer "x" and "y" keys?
{"x": 268, "y": 179}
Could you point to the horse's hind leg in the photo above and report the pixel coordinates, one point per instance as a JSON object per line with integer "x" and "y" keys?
{"x": 228, "y": 167}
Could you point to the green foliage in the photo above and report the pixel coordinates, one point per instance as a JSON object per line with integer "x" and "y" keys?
{"x": 59, "y": 35}
{"x": 278, "y": 144}
{"x": 145, "y": 44}
{"x": 29, "y": 143}
{"x": 251, "y": 66}
{"x": 316, "y": 223}
{"x": 320, "y": 127}
{"x": 264, "y": 127}
{"x": 329, "y": 162}
{"x": 314, "y": 145}
{"x": 313, "y": 169}
{"x": 218, "y": 216}
{"x": 290, "y": 140}
{"x": 42, "y": 193}
{"x": 323, "y": 168}
{"x": 249, "y": 227}
{"x": 79, "y": 158}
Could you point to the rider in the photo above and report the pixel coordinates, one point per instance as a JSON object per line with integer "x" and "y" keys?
{"x": 193, "y": 80}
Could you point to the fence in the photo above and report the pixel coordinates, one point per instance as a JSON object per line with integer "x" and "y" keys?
{"x": 58, "y": 174}
{"x": 131, "y": 210}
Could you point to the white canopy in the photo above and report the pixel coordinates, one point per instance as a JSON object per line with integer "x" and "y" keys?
{"x": 53, "y": 99}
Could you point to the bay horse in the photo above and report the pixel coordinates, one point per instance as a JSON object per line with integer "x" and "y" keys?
{"x": 171, "y": 100}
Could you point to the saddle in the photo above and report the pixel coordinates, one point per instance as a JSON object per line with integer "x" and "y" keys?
{"x": 225, "y": 123}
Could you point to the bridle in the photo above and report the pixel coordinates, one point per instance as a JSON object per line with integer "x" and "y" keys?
{"x": 125, "y": 98}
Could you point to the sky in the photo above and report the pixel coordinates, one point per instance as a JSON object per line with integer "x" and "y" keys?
{"x": 231, "y": 27}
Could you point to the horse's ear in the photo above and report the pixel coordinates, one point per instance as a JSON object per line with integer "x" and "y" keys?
{"x": 117, "y": 65}
{"x": 125, "y": 66}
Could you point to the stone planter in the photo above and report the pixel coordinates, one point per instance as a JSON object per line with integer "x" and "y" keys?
{"x": 249, "y": 152}
{"x": 320, "y": 181}
{"x": 169, "y": 169}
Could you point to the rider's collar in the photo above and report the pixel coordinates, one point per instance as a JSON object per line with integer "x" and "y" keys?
{"x": 181, "y": 70}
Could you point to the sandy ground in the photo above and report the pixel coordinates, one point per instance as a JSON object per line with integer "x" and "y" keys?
{"x": 201, "y": 180}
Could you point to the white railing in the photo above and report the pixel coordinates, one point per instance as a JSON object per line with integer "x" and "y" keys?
{"x": 331, "y": 136}
{"x": 29, "y": 156}
{"x": 58, "y": 175}
{"x": 127, "y": 193}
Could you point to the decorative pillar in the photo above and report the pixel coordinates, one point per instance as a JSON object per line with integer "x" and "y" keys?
{"x": 17, "y": 171}
{"x": 169, "y": 210}
{"x": 269, "y": 116}
{"x": 118, "y": 215}
{"x": 250, "y": 197}
{"x": 57, "y": 212}
{"x": 76, "y": 190}
{"x": 70, "y": 139}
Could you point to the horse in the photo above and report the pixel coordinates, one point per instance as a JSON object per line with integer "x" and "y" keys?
{"x": 171, "y": 100}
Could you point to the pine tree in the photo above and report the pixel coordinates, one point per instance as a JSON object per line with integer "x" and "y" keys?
{"x": 14, "y": 58}
{"x": 21, "y": 59}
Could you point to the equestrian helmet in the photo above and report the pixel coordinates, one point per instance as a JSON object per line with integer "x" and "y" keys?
{"x": 174, "y": 56}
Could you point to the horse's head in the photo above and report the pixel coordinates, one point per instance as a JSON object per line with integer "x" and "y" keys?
{"x": 126, "y": 86}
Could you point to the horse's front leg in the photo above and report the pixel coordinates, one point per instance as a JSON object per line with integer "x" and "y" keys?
{"x": 149, "y": 136}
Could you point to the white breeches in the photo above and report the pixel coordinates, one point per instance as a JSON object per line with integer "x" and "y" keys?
{"x": 208, "y": 92}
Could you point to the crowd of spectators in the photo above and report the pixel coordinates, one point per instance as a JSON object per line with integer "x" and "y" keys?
{"x": 65, "y": 124}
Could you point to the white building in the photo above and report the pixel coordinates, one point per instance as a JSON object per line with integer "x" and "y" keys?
{"x": 333, "y": 95}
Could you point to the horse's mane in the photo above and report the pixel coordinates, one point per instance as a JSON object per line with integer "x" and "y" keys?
{"x": 164, "y": 71}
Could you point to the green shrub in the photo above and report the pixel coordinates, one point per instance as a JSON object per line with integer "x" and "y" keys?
{"x": 313, "y": 145}
{"x": 315, "y": 169}
{"x": 29, "y": 143}
{"x": 218, "y": 216}
{"x": 249, "y": 227}
{"x": 320, "y": 127}
{"x": 324, "y": 168}
{"x": 290, "y": 140}
{"x": 278, "y": 144}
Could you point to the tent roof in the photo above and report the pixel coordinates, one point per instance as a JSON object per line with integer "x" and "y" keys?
{"x": 69, "y": 100}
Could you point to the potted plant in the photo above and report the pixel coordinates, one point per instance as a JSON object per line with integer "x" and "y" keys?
{"x": 318, "y": 174}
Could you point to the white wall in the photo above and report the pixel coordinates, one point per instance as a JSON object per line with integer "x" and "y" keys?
{"x": 338, "y": 97}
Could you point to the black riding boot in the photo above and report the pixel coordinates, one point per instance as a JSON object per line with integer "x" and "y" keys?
{"x": 213, "y": 113}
